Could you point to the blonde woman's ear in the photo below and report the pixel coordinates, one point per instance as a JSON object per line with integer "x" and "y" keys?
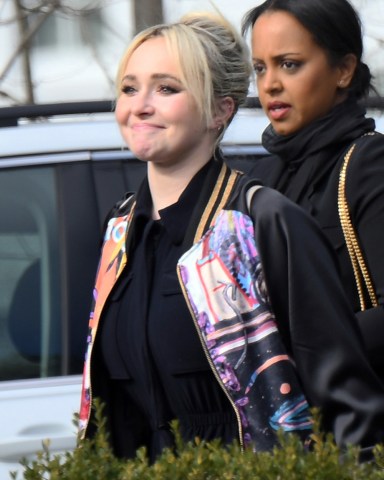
{"x": 224, "y": 110}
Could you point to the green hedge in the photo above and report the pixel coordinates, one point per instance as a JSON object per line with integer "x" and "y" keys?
{"x": 198, "y": 460}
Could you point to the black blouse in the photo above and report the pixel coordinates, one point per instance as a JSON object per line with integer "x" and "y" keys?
{"x": 149, "y": 342}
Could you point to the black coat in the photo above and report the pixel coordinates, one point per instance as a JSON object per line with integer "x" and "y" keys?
{"x": 305, "y": 167}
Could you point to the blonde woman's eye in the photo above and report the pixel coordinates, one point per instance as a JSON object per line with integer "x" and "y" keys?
{"x": 128, "y": 89}
{"x": 168, "y": 90}
{"x": 259, "y": 68}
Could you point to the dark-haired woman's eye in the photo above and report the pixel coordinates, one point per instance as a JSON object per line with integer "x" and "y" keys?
{"x": 290, "y": 65}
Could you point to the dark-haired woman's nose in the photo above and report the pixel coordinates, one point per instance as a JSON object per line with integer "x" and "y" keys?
{"x": 270, "y": 82}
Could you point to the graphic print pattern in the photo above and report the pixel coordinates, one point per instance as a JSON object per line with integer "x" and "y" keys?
{"x": 223, "y": 277}
{"x": 111, "y": 265}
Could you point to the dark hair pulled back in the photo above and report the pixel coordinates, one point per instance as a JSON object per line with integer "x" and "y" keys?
{"x": 335, "y": 27}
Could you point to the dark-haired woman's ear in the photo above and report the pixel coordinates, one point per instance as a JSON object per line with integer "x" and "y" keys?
{"x": 347, "y": 69}
{"x": 224, "y": 111}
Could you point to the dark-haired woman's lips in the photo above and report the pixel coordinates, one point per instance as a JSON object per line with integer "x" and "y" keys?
{"x": 278, "y": 110}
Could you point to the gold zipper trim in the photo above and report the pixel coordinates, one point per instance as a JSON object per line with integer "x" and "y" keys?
{"x": 215, "y": 194}
{"x": 199, "y": 233}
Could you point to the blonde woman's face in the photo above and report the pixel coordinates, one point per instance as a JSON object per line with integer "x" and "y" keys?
{"x": 156, "y": 113}
{"x": 295, "y": 81}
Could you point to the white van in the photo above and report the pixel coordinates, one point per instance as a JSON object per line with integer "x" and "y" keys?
{"x": 60, "y": 173}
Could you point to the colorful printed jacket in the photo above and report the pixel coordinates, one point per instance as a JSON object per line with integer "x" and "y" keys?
{"x": 227, "y": 288}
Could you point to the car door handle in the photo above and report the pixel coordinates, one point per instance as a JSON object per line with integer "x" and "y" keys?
{"x": 24, "y": 445}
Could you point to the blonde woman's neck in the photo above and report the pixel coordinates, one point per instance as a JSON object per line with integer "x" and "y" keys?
{"x": 167, "y": 183}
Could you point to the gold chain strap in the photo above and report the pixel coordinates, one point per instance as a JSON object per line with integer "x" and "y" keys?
{"x": 359, "y": 268}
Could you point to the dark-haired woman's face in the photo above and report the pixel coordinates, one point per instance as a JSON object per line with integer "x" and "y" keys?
{"x": 295, "y": 81}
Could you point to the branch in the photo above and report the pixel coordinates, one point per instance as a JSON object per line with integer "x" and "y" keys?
{"x": 9, "y": 96}
{"x": 29, "y": 35}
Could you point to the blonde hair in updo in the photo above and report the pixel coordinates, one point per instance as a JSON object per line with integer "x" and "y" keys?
{"x": 213, "y": 58}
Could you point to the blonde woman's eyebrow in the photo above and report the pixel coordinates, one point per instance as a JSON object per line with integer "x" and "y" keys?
{"x": 166, "y": 76}
{"x": 155, "y": 76}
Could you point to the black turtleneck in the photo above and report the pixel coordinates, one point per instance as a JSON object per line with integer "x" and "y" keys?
{"x": 302, "y": 159}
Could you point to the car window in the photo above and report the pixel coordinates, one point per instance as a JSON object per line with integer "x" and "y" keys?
{"x": 52, "y": 212}
{"x": 30, "y": 343}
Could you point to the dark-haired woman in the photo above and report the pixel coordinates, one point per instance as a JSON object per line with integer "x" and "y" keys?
{"x": 307, "y": 57}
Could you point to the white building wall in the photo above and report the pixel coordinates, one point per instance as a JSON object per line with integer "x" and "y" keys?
{"x": 70, "y": 71}
{"x": 9, "y": 36}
